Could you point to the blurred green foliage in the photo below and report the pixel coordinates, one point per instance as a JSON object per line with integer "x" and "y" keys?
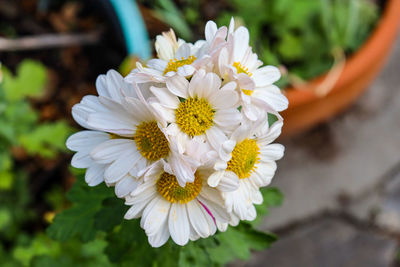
{"x": 20, "y": 244}
{"x": 20, "y": 125}
{"x": 91, "y": 231}
{"x": 96, "y": 213}
{"x": 301, "y": 35}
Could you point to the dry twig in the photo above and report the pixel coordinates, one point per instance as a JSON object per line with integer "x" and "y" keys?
{"x": 48, "y": 41}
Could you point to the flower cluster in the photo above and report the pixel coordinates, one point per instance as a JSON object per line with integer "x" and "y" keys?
{"x": 184, "y": 138}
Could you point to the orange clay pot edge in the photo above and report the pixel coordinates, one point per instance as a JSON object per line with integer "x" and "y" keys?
{"x": 374, "y": 48}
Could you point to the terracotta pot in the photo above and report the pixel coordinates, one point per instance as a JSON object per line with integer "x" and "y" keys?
{"x": 306, "y": 109}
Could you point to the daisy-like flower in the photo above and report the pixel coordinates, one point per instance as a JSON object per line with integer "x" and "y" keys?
{"x": 199, "y": 108}
{"x": 127, "y": 138}
{"x": 167, "y": 209}
{"x": 177, "y": 56}
{"x": 110, "y": 86}
{"x": 237, "y": 62}
{"x": 250, "y": 158}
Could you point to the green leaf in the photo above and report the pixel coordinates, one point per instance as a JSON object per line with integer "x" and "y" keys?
{"x": 237, "y": 242}
{"x": 46, "y": 139}
{"x": 30, "y": 80}
{"x": 41, "y": 245}
{"x": 195, "y": 254}
{"x": 128, "y": 246}
{"x": 111, "y": 214}
{"x": 290, "y": 47}
{"x": 79, "y": 219}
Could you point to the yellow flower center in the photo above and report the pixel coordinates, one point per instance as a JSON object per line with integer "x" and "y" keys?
{"x": 245, "y": 156}
{"x": 194, "y": 116}
{"x": 168, "y": 187}
{"x": 241, "y": 69}
{"x": 150, "y": 141}
{"x": 174, "y": 64}
{"x": 247, "y": 92}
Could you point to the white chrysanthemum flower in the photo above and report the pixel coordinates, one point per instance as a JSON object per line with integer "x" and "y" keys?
{"x": 132, "y": 137}
{"x": 199, "y": 108}
{"x": 167, "y": 209}
{"x": 237, "y": 62}
{"x": 248, "y": 157}
{"x": 111, "y": 86}
{"x": 177, "y": 56}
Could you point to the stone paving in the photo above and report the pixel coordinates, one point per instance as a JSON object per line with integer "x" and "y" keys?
{"x": 346, "y": 168}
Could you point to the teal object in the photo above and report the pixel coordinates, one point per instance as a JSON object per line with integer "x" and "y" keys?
{"x": 134, "y": 30}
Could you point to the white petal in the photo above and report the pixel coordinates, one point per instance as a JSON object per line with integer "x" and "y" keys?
{"x": 86, "y": 140}
{"x": 196, "y": 83}
{"x": 229, "y": 182}
{"x": 109, "y": 122}
{"x": 166, "y": 113}
{"x": 183, "y": 171}
{"x": 215, "y": 137}
{"x": 161, "y": 237}
{"x": 215, "y": 178}
{"x": 95, "y": 174}
{"x": 178, "y": 224}
{"x": 230, "y": 86}
{"x": 126, "y": 185}
{"x": 186, "y": 70}
{"x": 138, "y": 109}
{"x": 154, "y": 215}
{"x": 241, "y": 42}
{"x": 218, "y": 212}
{"x": 197, "y": 219}
{"x": 227, "y": 117}
{"x": 273, "y": 151}
{"x": 112, "y": 149}
{"x": 165, "y": 97}
{"x": 178, "y": 85}
{"x": 224, "y": 99}
{"x": 157, "y": 64}
{"x": 183, "y": 52}
{"x": 273, "y": 132}
{"x": 266, "y": 75}
{"x": 110, "y": 85}
{"x": 121, "y": 166}
{"x": 273, "y": 97}
{"x": 136, "y": 210}
{"x": 81, "y": 160}
{"x": 210, "y": 30}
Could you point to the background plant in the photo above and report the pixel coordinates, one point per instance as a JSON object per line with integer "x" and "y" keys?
{"x": 302, "y": 36}
{"x": 89, "y": 228}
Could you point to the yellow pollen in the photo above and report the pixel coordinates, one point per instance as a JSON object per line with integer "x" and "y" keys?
{"x": 247, "y": 92}
{"x": 245, "y": 157}
{"x": 114, "y": 136}
{"x": 174, "y": 64}
{"x": 150, "y": 141}
{"x": 241, "y": 69}
{"x": 168, "y": 187}
{"x": 194, "y": 116}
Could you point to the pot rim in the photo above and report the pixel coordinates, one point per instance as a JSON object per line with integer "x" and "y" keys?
{"x": 382, "y": 36}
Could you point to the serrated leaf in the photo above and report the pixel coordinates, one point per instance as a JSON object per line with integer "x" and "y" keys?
{"x": 79, "y": 219}
{"x": 128, "y": 246}
{"x": 194, "y": 254}
{"x": 237, "y": 242}
{"x": 111, "y": 214}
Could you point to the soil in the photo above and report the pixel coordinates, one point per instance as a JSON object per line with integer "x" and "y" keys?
{"x": 72, "y": 72}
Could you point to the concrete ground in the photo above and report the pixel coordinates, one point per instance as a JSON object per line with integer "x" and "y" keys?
{"x": 341, "y": 182}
